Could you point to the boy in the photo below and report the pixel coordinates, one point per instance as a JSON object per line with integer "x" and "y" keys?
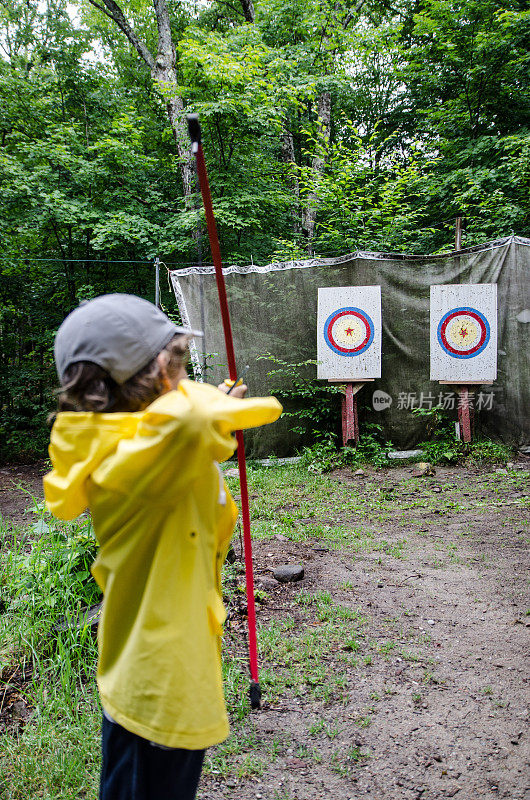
{"x": 137, "y": 443}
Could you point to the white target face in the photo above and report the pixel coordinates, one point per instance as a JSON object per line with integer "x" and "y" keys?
{"x": 463, "y": 332}
{"x": 349, "y": 333}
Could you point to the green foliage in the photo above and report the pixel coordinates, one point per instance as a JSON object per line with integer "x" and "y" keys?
{"x": 45, "y": 586}
{"x": 372, "y": 447}
{"x": 487, "y": 451}
{"x": 55, "y": 573}
{"x": 465, "y": 69}
{"x": 57, "y": 755}
{"x": 325, "y": 455}
{"x": 46, "y": 589}
{"x": 310, "y": 403}
{"x": 442, "y": 446}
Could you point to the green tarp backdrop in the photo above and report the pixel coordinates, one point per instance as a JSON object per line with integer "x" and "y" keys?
{"x": 274, "y": 311}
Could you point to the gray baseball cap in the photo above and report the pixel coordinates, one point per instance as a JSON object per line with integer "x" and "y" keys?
{"x": 119, "y": 332}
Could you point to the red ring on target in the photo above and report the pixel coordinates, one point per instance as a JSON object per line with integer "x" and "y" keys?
{"x": 352, "y": 312}
{"x": 483, "y": 327}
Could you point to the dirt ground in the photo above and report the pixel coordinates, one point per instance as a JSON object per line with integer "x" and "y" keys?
{"x": 442, "y": 711}
{"x": 19, "y": 486}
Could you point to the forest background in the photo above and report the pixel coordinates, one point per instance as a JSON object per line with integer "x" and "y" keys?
{"x": 329, "y": 127}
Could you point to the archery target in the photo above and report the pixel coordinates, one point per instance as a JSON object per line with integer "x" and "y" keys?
{"x": 349, "y": 333}
{"x": 463, "y": 332}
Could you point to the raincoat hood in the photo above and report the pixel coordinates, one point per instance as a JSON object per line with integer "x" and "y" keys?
{"x": 80, "y": 442}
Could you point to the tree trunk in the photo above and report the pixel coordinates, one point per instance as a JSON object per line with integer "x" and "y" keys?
{"x": 309, "y": 213}
{"x": 288, "y": 157}
{"x": 248, "y": 10}
{"x": 164, "y": 75}
{"x": 166, "y": 79}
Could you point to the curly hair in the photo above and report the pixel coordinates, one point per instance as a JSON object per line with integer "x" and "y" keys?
{"x": 88, "y": 387}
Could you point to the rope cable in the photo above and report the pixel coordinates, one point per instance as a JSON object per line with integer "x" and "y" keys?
{"x": 196, "y": 199}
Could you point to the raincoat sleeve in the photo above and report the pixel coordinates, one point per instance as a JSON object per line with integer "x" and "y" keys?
{"x": 225, "y": 414}
{"x": 177, "y": 437}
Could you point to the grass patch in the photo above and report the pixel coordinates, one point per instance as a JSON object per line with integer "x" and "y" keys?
{"x": 45, "y": 584}
{"x": 345, "y": 762}
{"x": 301, "y": 655}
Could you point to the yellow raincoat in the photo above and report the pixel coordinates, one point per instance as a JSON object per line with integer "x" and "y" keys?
{"x": 163, "y": 518}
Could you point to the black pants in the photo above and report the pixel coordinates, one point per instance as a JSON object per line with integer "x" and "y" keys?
{"x": 135, "y": 769}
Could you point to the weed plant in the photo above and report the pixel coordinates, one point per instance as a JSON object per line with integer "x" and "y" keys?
{"x": 442, "y": 446}
{"x": 325, "y": 455}
{"x": 309, "y": 401}
{"x": 45, "y": 586}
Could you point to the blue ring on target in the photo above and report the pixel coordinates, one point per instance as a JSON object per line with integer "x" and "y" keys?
{"x": 356, "y": 312}
{"x": 484, "y": 332}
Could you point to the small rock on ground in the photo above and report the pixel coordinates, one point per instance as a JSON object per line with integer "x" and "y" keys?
{"x": 422, "y": 469}
{"x": 266, "y": 583}
{"x": 288, "y": 573}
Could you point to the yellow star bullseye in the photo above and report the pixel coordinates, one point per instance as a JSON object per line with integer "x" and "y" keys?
{"x": 463, "y": 332}
{"x": 348, "y": 331}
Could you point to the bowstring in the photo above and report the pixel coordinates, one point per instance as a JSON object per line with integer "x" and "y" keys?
{"x": 201, "y": 276}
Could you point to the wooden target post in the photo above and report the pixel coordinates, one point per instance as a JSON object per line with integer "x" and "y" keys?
{"x": 350, "y": 417}
{"x": 349, "y": 345}
{"x": 463, "y": 335}
{"x": 466, "y": 406}
{"x": 465, "y": 414}
{"x": 349, "y": 412}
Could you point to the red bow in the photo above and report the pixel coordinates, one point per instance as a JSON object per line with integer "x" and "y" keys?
{"x": 195, "y": 136}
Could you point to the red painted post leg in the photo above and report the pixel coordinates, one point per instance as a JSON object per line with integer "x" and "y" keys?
{"x": 464, "y": 414}
{"x": 349, "y": 408}
{"x": 355, "y": 420}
